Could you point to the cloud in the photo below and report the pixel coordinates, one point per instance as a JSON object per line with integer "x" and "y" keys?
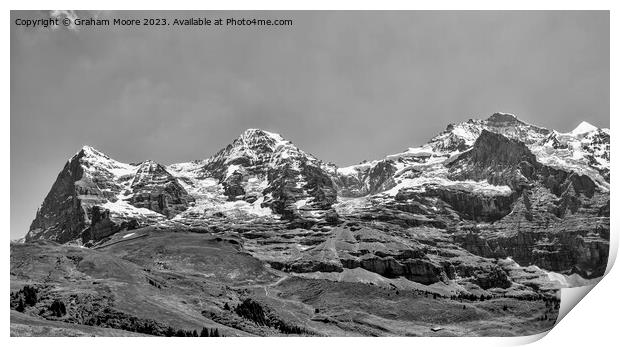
{"x": 72, "y": 15}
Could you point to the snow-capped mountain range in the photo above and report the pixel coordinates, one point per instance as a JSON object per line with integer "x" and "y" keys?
{"x": 584, "y": 150}
{"x": 261, "y": 177}
{"x": 487, "y": 216}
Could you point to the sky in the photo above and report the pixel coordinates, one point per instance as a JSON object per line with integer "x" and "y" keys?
{"x": 344, "y": 86}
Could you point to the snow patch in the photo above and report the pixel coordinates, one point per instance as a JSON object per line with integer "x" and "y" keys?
{"x": 582, "y": 128}
{"x": 231, "y": 170}
{"x": 123, "y": 209}
{"x": 301, "y": 203}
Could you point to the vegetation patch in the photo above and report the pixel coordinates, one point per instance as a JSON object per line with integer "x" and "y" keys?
{"x": 254, "y": 311}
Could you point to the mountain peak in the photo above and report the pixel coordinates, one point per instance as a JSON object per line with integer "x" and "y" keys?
{"x": 89, "y": 151}
{"x": 261, "y": 140}
{"x": 252, "y": 133}
{"x": 501, "y": 117}
{"x": 582, "y": 128}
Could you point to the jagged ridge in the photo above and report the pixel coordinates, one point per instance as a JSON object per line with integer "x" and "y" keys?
{"x": 494, "y": 171}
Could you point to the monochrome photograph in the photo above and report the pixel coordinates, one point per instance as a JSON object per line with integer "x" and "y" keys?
{"x": 305, "y": 173}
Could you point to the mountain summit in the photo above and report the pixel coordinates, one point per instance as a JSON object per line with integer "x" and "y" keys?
{"x": 582, "y": 128}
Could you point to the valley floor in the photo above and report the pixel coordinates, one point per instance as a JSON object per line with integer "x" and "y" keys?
{"x": 171, "y": 283}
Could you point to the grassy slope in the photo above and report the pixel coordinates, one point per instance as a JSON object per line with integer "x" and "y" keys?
{"x": 25, "y": 325}
{"x": 184, "y": 280}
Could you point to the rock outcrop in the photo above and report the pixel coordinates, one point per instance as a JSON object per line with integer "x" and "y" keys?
{"x": 156, "y": 189}
{"x": 62, "y": 217}
{"x": 496, "y": 159}
{"x": 365, "y": 179}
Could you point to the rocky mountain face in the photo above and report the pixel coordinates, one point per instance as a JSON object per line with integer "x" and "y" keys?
{"x": 156, "y": 189}
{"x": 290, "y": 179}
{"x": 459, "y": 210}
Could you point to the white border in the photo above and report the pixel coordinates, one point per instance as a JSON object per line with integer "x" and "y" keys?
{"x": 594, "y": 321}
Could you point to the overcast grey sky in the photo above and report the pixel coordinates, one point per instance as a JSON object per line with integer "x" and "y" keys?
{"x": 344, "y": 86}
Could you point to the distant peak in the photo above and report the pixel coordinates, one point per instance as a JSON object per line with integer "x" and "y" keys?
{"x": 582, "y": 128}
{"x": 87, "y": 150}
{"x": 252, "y": 136}
{"x": 501, "y": 117}
{"x": 253, "y": 132}
{"x": 92, "y": 155}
